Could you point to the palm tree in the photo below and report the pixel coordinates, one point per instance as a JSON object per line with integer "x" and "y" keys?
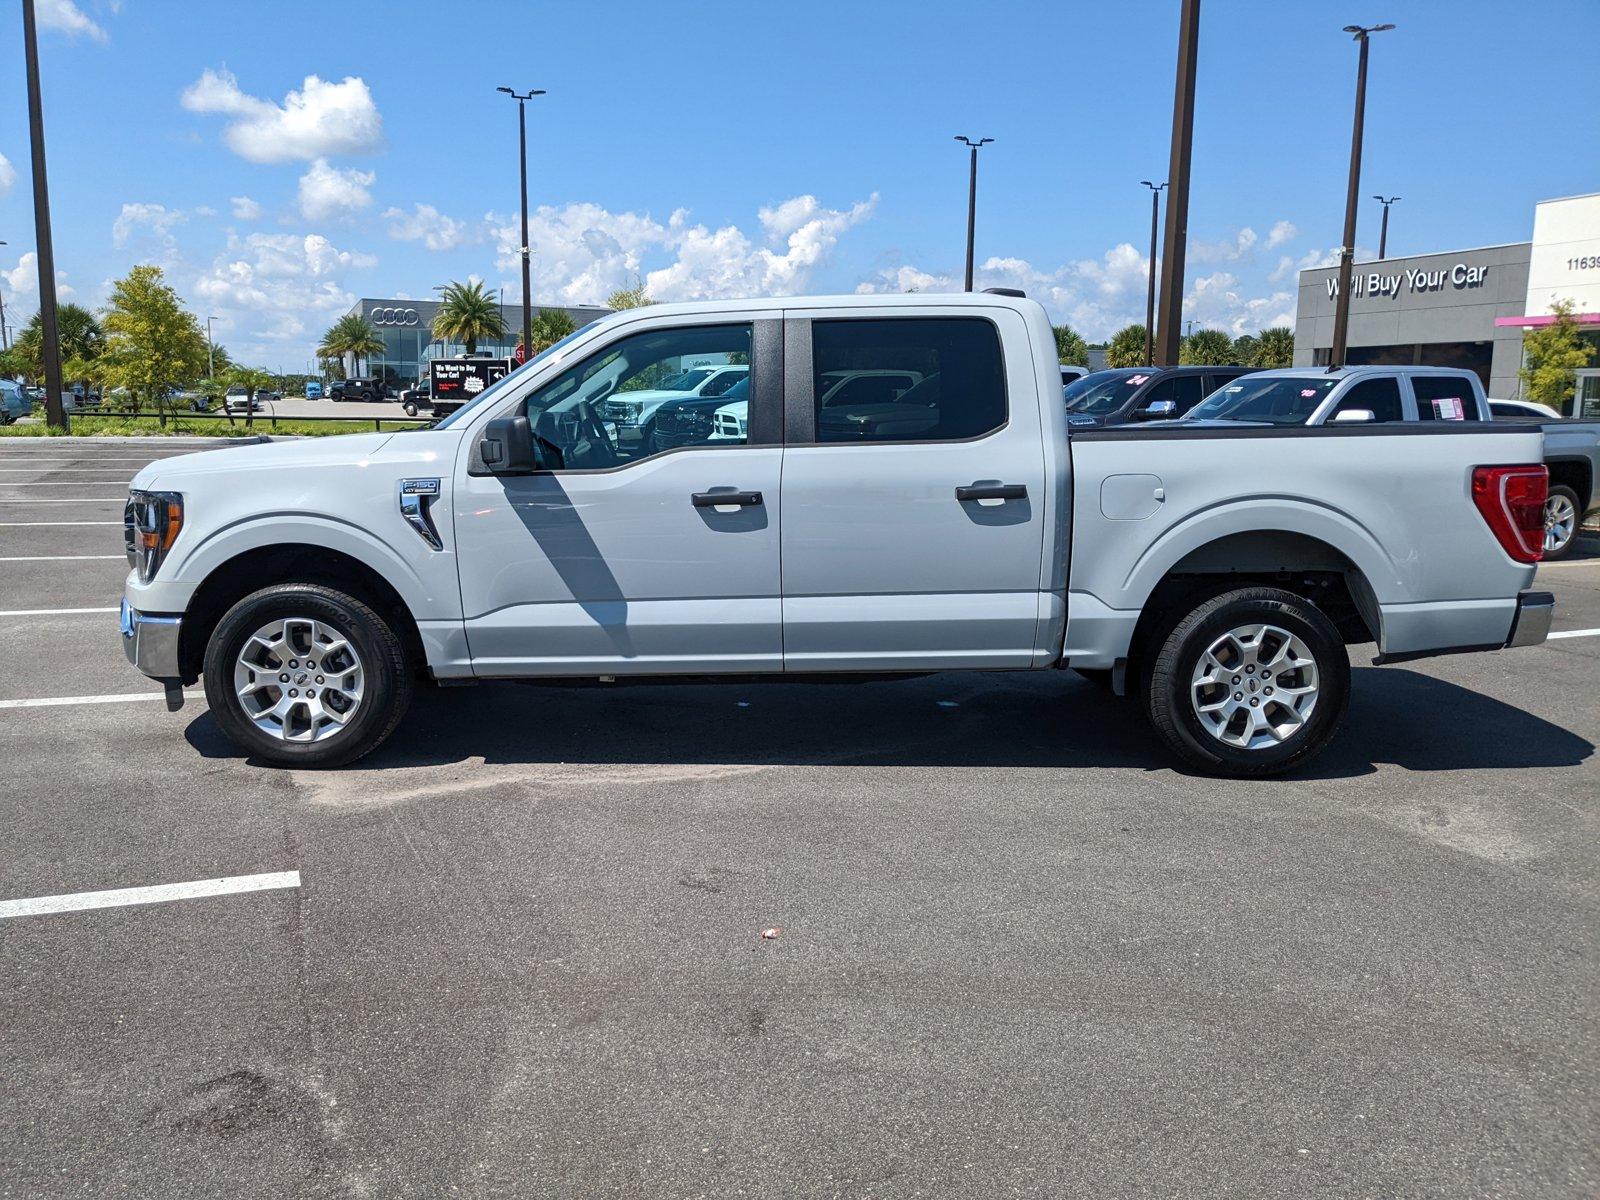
{"x": 1274, "y": 347}
{"x": 467, "y": 312}
{"x": 352, "y": 335}
{"x": 550, "y": 325}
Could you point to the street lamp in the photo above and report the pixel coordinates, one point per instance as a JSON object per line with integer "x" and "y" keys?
{"x": 211, "y": 351}
{"x": 1383, "y": 233}
{"x": 1150, "y": 298}
{"x": 50, "y": 332}
{"x": 1347, "y": 251}
{"x": 972, "y": 198}
{"x": 522, "y": 99}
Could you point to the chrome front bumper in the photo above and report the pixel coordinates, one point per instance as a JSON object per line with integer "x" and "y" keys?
{"x": 151, "y": 642}
{"x": 1531, "y": 625}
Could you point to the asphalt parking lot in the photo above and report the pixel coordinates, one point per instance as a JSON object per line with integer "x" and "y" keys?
{"x": 518, "y": 951}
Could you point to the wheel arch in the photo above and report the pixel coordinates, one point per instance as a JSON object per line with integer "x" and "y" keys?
{"x": 263, "y": 566}
{"x": 1576, "y": 473}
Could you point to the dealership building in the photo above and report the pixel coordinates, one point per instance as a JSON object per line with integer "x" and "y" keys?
{"x": 1467, "y": 308}
{"x": 406, "y": 327}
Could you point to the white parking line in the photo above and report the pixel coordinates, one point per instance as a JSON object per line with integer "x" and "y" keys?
{"x": 118, "y": 698}
{"x": 1566, "y": 633}
{"x": 59, "y": 557}
{"x": 80, "y": 500}
{"x": 63, "y": 483}
{"x": 160, "y": 893}
{"x": 53, "y": 612}
{"x": 34, "y": 524}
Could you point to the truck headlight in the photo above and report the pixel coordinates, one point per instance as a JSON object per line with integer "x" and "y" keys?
{"x": 151, "y": 522}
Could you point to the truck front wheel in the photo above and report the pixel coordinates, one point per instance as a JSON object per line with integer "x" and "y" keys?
{"x": 1250, "y": 683}
{"x": 302, "y": 675}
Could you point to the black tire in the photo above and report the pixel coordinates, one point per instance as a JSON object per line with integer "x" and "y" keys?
{"x": 1166, "y": 691}
{"x": 387, "y": 684}
{"x": 1567, "y": 547}
{"x": 411, "y": 409}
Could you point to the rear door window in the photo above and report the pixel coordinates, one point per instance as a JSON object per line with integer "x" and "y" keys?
{"x": 1444, "y": 398}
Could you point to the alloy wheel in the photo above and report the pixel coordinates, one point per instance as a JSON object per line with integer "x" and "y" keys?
{"x": 1560, "y": 521}
{"x": 299, "y": 679}
{"x": 1254, "y": 686}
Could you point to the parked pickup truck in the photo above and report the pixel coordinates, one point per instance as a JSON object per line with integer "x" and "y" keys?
{"x": 1215, "y": 574}
{"x": 1572, "y": 452}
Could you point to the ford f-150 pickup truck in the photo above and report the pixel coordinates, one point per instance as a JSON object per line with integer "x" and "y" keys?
{"x": 1216, "y": 575}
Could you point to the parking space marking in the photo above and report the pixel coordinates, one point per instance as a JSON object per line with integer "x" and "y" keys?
{"x": 64, "y": 483}
{"x": 58, "y": 557}
{"x": 1566, "y": 633}
{"x": 78, "y": 500}
{"x": 53, "y": 612}
{"x": 160, "y": 893}
{"x": 115, "y": 698}
{"x": 32, "y": 524}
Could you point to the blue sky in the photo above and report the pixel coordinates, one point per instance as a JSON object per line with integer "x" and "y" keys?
{"x": 287, "y": 158}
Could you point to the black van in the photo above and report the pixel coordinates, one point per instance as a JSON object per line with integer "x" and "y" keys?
{"x": 1123, "y": 394}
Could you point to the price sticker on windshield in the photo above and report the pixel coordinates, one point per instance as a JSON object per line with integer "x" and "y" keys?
{"x": 1136, "y": 380}
{"x": 1449, "y": 408}
{"x": 1307, "y": 393}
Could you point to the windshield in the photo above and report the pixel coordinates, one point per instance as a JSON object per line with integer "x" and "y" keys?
{"x": 1273, "y": 401}
{"x": 1103, "y": 391}
{"x": 492, "y": 392}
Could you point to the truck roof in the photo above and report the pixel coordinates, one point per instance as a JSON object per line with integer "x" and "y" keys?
{"x": 967, "y": 300}
{"x": 1354, "y": 372}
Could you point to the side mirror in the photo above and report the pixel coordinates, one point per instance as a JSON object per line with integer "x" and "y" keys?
{"x": 507, "y": 446}
{"x": 1157, "y": 410}
{"x": 1354, "y": 416}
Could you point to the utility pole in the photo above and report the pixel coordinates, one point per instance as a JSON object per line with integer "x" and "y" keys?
{"x": 1150, "y": 298}
{"x": 55, "y": 410}
{"x": 527, "y": 272}
{"x": 1383, "y": 232}
{"x": 1347, "y": 251}
{"x": 1171, "y": 314}
{"x": 972, "y": 200}
{"x": 211, "y": 351}
{"x": 5, "y": 342}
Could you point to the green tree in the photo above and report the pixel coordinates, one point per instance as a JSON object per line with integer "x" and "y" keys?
{"x": 1550, "y": 355}
{"x": 352, "y": 335}
{"x": 1274, "y": 348}
{"x": 153, "y": 344}
{"x": 1070, "y": 346}
{"x": 468, "y": 313}
{"x": 1126, "y": 348}
{"x": 634, "y": 297}
{"x": 82, "y": 342}
{"x": 1204, "y": 347}
{"x": 550, "y": 325}
{"x": 1244, "y": 349}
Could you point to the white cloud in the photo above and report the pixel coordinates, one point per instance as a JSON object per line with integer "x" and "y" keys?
{"x": 8, "y": 175}
{"x": 321, "y": 119}
{"x": 64, "y": 16}
{"x": 245, "y": 209}
{"x": 327, "y": 192}
{"x": 155, "y": 219}
{"x": 426, "y": 224}
{"x": 1227, "y": 250}
{"x": 1217, "y": 302}
{"x": 274, "y": 281}
{"x": 23, "y": 280}
{"x": 1281, "y": 232}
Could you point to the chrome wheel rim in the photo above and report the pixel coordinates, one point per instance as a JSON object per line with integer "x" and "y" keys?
{"x": 1560, "y": 520}
{"x": 1254, "y": 687}
{"x": 299, "y": 680}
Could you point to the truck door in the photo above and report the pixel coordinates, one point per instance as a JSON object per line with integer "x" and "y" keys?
{"x": 913, "y": 527}
{"x": 617, "y": 557}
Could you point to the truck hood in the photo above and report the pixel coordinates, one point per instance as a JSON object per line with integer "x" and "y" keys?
{"x": 353, "y": 449}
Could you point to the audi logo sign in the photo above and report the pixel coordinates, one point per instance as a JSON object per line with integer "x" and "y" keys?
{"x": 395, "y": 316}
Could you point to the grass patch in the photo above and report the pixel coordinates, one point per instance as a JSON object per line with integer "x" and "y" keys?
{"x": 92, "y": 426}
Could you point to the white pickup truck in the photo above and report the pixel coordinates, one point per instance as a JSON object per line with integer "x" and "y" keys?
{"x": 1216, "y": 574}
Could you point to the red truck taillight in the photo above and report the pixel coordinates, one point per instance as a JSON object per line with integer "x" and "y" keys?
{"x": 1511, "y": 500}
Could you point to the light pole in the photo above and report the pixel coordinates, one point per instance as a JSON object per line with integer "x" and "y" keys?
{"x": 972, "y": 198}
{"x": 1347, "y": 251}
{"x": 1172, "y": 253}
{"x": 55, "y": 411}
{"x": 1150, "y": 299}
{"x": 1383, "y": 232}
{"x": 211, "y": 351}
{"x": 5, "y": 343}
{"x": 522, "y": 99}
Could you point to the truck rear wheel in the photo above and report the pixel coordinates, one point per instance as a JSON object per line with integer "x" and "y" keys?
{"x": 1250, "y": 683}
{"x": 302, "y": 675}
{"x": 1562, "y": 516}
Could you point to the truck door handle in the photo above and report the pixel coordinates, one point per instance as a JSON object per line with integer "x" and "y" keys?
{"x": 992, "y": 491}
{"x": 718, "y": 499}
